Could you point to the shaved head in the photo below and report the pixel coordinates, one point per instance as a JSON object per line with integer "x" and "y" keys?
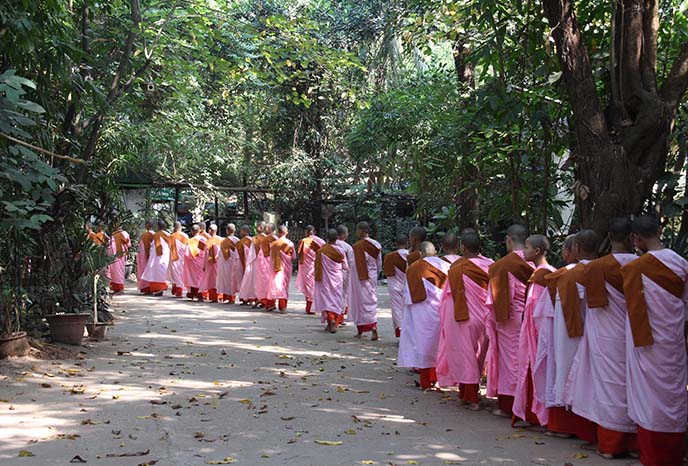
{"x": 620, "y": 229}
{"x": 310, "y": 229}
{"x": 471, "y": 242}
{"x": 282, "y": 230}
{"x": 427, "y": 249}
{"x": 332, "y": 236}
{"x": 539, "y": 242}
{"x": 149, "y": 224}
{"x": 195, "y": 229}
{"x": 363, "y": 226}
{"x": 588, "y": 242}
{"x": 231, "y": 228}
{"x": 213, "y": 227}
{"x": 568, "y": 242}
{"x": 517, "y": 233}
{"x": 177, "y": 225}
{"x": 401, "y": 241}
{"x": 202, "y": 226}
{"x": 418, "y": 233}
{"x": 450, "y": 243}
{"x": 342, "y": 231}
{"x": 646, "y": 226}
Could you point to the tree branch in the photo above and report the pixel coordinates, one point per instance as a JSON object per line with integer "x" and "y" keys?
{"x": 676, "y": 82}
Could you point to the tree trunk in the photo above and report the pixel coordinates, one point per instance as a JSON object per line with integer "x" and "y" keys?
{"x": 619, "y": 152}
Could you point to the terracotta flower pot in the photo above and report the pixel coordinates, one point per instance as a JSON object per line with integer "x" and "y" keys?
{"x": 14, "y": 345}
{"x": 67, "y": 328}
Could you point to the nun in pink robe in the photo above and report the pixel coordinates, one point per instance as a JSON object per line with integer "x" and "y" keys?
{"x": 280, "y": 265}
{"x": 208, "y": 283}
{"x": 142, "y": 260}
{"x": 194, "y": 261}
{"x": 261, "y": 269}
{"x": 461, "y": 341}
{"x": 527, "y": 350}
{"x": 158, "y": 262}
{"x": 175, "y": 272}
{"x": 502, "y": 354}
{"x": 329, "y": 284}
{"x": 418, "y": 344}
{"x": 305, "y": 281}
{"x": 226, "y": 263}
{"x": 118, "y": 247}
{"x": 349, "y": 253}
{"x": 247, "y": 291}
{"x": 363, "y": 284}
{"x": 394, "y": 265}
{"x": 597, "y": 381}
{"x": 656, "y": 287}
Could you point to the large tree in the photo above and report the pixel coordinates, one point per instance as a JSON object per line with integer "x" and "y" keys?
{"x": 622, "y": 136}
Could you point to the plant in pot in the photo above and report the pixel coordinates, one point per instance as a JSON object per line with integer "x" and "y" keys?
{"x": 77, "y": 295}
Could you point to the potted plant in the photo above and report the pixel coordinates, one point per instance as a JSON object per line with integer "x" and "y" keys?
{"x": 75, "y": 266}
{"x": 13, "y": 341}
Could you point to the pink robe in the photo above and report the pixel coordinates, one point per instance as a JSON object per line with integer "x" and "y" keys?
{"x": 598, "y": 377}
{"x": 657, "y": 376}
{"x": 305, "y": 281}
{"x": 247, "y": 291}
{"x": 279, "y": 281}
{"x": 225, "y": 284}
{"x": 527, "y": 352}
{"x": 141, "y": 263}
{"x": 450, "y": 258}
{"x": 193, "y": 265}
{"x": 363, "y": 299}
{"x": 544, "y": 371}
{"x": 209, "y": 277}
{"x": 502, "y": 354}
{"x": 175, "y": 273}
{"x": 460, "y": 343}
{"x": 156, "y": 267}
{"x": 329, "y": 293}
{"x": 116, "y": 270}
{"x": 349, "y": 253}
{"x": 262, "y": 272}
{"x": 395, "y": 285}
{"x": 421, "y": 323}
{"x": 565, "y": 347}
{"x": 238, "y": 267}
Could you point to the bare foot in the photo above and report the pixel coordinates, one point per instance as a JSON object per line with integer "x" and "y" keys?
{"x": 375, "y": 336}
{"x": 472, "y": 407}
{"x": 607, "y": 456}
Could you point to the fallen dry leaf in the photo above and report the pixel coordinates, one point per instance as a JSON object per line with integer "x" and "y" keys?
{"x": 580, "y": 456}
{"x": 121, "y": 455}
{"x": 329, "y": 443}
{"x": 228, "y": 460}
{"x": 25, "y": 453}
{"x": 77, "y": 459}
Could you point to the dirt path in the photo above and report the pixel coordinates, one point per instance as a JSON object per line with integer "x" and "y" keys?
{"x": 182, "y": 383}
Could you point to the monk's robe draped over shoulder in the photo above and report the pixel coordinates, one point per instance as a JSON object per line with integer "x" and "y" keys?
{"x": 423, "y": 271}
{"x": 158, "y": 238}
{"x": 279, "y": 246}
{"x": 121, "y": 242}
{"x": 660, "y": 274}
{"x": 360, "y": 249}
{"x": 392, "y": 262}
{"x": 597, "y": 273}
{"x": 265, "y": 244}
{"x": 226, "y": 247}
{"x": 499, "y": 272}
{"x": 172, "y": 241}
{"x": 147, "y": 239}
{"x": 459, "y": 269}
{"x": 566, "y": 283}
{"x": 332, "y": 253}
{"x": 247, "y": 242}
{"x": 309, "y": 243}
{"x": 413, "y": 257}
